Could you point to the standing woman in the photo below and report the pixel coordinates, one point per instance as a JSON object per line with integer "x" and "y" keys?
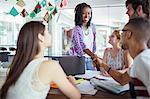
{"x": 30, "y": 74}
{"x": 84, "y": 34}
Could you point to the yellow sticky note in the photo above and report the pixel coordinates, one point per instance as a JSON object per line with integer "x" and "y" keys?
{"x": 79, "y": 81}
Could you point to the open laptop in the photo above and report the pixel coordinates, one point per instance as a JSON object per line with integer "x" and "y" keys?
{"x": 72, "y": 65}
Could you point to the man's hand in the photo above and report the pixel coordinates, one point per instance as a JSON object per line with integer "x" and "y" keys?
{"x": 104, "y": 72}
{"x": 97, "y": 61}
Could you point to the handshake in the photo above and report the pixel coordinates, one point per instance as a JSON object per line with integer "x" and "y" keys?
{"x": 103, "y": 67}
{"x": 98, "y": 62}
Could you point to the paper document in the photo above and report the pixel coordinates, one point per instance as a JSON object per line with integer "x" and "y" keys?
{"x": 104, "y": 77}
{"x": 86, "y": 88}
{"x": 88, "y": 74}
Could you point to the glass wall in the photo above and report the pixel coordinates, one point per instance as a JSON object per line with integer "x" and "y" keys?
{"x": 9, "y": 29}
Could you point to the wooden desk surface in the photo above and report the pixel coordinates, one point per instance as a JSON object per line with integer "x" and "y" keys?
{"x": 55, "y": 94}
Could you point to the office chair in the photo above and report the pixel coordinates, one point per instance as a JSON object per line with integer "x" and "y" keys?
{"x": 12, "y": 49}
{"x": 4, "y": 56}
{"x": 138, "y": 89}
{"x": 3, "y": 49}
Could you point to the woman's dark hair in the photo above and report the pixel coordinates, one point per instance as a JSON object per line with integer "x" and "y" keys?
{"x": 144, "y": 3}
{"x": 27, "y": 48}
{"x": 78, "y": 14}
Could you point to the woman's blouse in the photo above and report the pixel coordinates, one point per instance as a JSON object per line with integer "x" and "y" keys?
{"x": 116, "y": 62}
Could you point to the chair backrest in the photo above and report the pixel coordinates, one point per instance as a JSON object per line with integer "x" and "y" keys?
{"x": 12, "y": 49}
{"x": 4, "y": 56}
{"x": 138, "y": 89}
{"x": 3, "y": 49}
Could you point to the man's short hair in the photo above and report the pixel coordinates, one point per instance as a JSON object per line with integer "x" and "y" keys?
{"x": 144, "y": 3}
{"x": 140, "y": 28}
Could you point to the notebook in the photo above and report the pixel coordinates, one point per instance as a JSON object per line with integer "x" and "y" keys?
{"x": 72, "y": 65}
{"x": 109, "y": 85}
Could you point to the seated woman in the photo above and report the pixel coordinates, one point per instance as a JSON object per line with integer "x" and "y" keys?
{"x": 31, "y": 74}
{"x": 116, "y": 57}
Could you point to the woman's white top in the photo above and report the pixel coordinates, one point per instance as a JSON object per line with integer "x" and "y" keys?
{"x": 28, "y": 85}
{"x": 88, "y": 38}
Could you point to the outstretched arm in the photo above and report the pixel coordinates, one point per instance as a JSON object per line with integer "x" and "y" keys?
{"x": 90, "y": 53}
{"x": 122, "y": 78}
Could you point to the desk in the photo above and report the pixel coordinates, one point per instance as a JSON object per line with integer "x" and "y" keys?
{"x": 56, "y": 94}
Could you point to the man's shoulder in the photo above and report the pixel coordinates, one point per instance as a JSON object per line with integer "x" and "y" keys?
{"x": 145, "y": 55}
{"x": 141, "y": 62}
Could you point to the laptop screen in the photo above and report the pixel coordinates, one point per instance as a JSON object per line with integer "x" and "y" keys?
{"x": 72, "y": 65}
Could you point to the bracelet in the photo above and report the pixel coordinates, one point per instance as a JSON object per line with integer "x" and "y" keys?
{"x": 108, "y": 70}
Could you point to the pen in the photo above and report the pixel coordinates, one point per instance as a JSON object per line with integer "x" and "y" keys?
{"x": 100, "y": 78}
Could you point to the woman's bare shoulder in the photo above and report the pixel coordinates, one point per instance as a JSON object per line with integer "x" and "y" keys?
{"x": 108, "y": 49}
{"x": 50, "y": 64}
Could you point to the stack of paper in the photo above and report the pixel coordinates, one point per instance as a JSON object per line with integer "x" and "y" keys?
{"x": 86, "y": 88}
{"x": 88, "y": 74}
